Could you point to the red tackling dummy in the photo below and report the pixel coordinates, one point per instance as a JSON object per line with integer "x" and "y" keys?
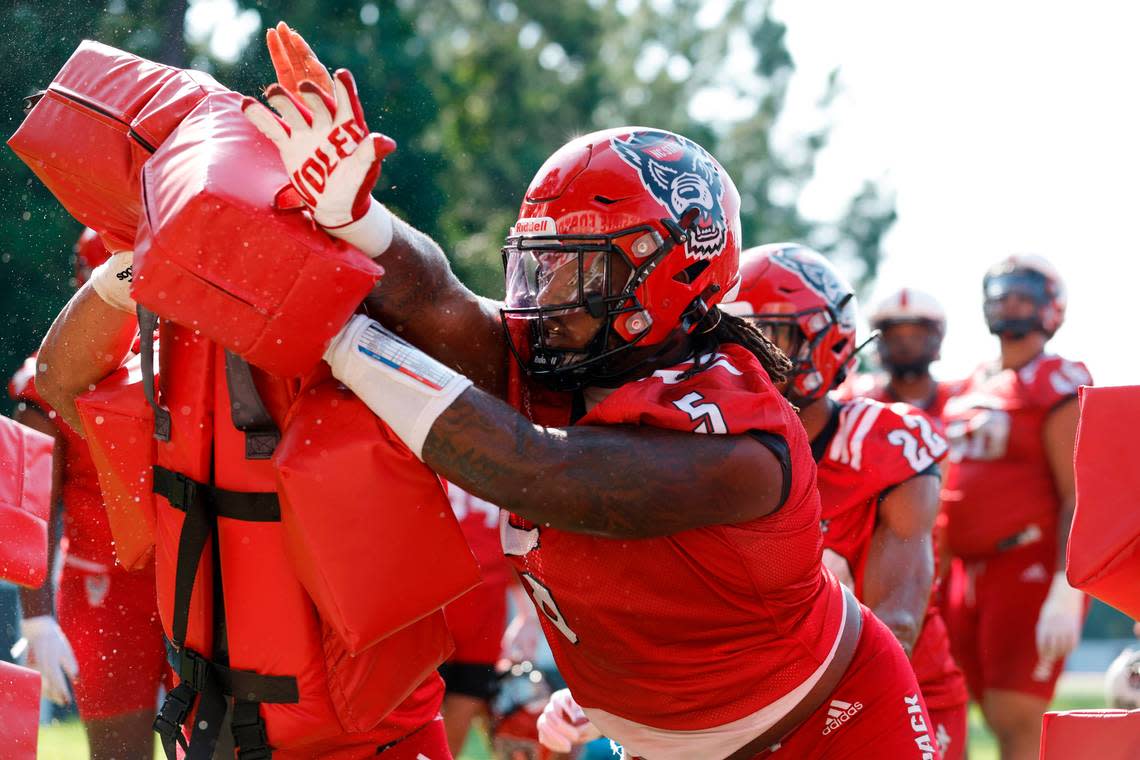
{"x": 1104, "y": 545}
{"x": 1103, "y": 734}
{"x": 97, "y": 123}
{"x": 377, "y": 489}
{"x": 19, "y": 711}
{"x": 25, "y": 503}
{"x": 214, "y": 253}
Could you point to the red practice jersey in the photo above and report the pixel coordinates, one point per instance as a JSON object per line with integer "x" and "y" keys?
{"x": 700, "y": 628}
{"x": 867, "y": 449}
{"x": 999, "y": 490}
{"x": 84, "y": 521}
{"x": 877, "y": 387}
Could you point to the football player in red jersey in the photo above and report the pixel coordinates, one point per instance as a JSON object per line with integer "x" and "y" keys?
{"x": 1009, "y": 498}
{"x": 678, "y": 575}
{"x": 877, "y": 467}
{"x": 108, "y": 641}
{"x": 911, "y": 327}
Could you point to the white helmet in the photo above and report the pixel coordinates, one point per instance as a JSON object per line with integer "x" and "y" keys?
{"x": 1122, "y": 681}
{"x": 908, "y": 305}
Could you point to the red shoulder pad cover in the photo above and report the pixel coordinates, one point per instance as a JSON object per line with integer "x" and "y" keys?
{"x": 356, "y": 505}
{"x": 19, "y": 711}
{"x": 100, "y": 119}
{"x": 215, "y": 255}
{"x": 25, "y": 503}
{"x": 1104, "y": 545}
{"x": 1103, "y": 734}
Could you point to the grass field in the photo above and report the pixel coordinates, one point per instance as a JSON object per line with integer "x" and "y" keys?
{"x": 65, "y": 741}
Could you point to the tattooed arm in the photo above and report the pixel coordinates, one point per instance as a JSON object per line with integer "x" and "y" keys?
{"x": 422, "y": 300}
{"x": 618, "y": 481}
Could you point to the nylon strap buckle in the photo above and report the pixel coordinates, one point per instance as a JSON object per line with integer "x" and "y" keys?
{"x": 172, "y": 715}
{"x": 192, "y": 669}
{"x": 183, "y": 491}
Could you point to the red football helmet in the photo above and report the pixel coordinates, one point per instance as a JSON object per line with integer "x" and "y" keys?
{"x": 89, "y": 253}
{"x": 790, "y": 287}
{"x": 632, "y": 232}
{"x": 1030, "y": 277}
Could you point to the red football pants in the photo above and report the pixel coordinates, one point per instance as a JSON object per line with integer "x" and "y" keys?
{"x": 876, "y": 710}
{"x": 951, "y": 730}
{"x": 991, "y": 612}
{"x": 111, "y": 619}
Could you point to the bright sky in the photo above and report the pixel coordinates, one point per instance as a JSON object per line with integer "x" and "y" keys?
{"x": 1003, "y": 127}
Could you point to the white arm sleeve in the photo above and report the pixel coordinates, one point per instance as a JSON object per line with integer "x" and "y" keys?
{"x": 400, "y": 383}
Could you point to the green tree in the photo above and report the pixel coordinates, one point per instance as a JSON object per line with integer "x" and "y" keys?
{"x": 477, "y": 93}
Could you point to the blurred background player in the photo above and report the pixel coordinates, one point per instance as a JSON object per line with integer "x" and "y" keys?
{"x": 877, "y": 473}
{"x": 911, "y": 327}
{"x": 478, "y": 623}
{"x": 107, "y": 644}
{"x": 1009, "y": 499}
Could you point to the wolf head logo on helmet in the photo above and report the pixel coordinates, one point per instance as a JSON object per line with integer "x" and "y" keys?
{"x": 680, "y": 175}
{"x": 823, "y": 279}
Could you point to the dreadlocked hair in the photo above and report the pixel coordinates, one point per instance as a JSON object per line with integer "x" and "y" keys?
{"x": 728, "y": 328}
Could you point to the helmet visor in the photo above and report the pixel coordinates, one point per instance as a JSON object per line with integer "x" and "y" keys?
{"x": 554, "y": 278}
{"x": 1026, "y": 284}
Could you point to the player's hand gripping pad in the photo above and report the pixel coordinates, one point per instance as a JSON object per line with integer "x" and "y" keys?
{"x": 356, "y": 505}
{"x": 215, "y": 254}
{"x": 1103, "y": 734}
{"x": 25, "y": 503}
{"x": 19, "y": 710}
{"x": 1104, "y": 545}
{"x": 98, "y": 121}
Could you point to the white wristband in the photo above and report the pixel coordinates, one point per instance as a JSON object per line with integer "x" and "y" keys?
{"x": 371, "y": 233}
{"x": 112, "y": 281}
{"x": 400, "y": 383}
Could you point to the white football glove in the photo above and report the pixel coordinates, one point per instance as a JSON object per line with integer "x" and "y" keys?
{"x": 332, "y": 160}
{"x": 1060, "y": 619}
{"x": 112, "y": 281}
{"x": 50, "y": 653}
{"x": 838, "y": 566}
{"x": 563, "y": 725}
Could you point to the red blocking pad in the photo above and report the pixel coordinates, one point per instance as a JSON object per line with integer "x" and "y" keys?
{"x": 1096, "y": 734}
{"x": 25, "y": 503}
{"x": 19, "y": 711}
{"x": 1104, "y": 545}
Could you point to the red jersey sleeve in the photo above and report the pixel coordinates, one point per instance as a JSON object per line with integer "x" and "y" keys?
{"x": 885, "y": 444}
{"x": 1055, "y": 379}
